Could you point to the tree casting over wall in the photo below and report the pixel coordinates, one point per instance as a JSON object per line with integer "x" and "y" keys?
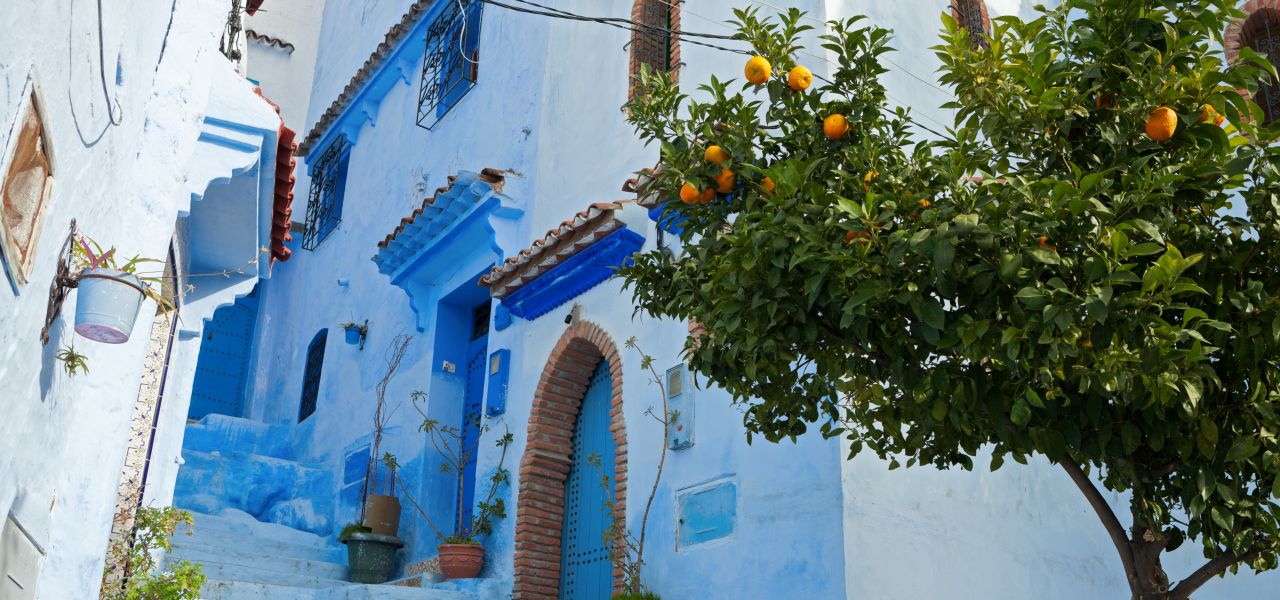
{"x": 1060, "y": 275}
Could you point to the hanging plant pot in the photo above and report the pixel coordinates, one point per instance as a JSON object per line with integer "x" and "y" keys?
{"x": 382, "y": 514}
{"x": 353, "y": 335}
{"x": 461, "y": 561}
{"x": 107, "y": 304}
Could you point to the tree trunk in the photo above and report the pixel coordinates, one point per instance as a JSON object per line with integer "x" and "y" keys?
{"x": 1153, "y": 582}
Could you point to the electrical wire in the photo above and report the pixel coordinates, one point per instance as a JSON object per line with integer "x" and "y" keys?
{"x": 102, "y": 72}
{"x": 624, "y": 24}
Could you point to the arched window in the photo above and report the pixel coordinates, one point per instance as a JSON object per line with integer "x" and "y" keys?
{"x": 311, "y": 375}
{"x": 653, "y": 42}
{"x": 972, "y": 15}
{"x": 1261, "y": 32}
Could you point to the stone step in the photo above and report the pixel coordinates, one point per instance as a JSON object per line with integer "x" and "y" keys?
{"x": 226, "y": 434}
{"x": 270, "y": 574}
{"x": 239, "y": 524}
{"x": 269, "y": 488}
{"x": 250, "y": 557}
{"x": 249, "y": 590}
{"x": 234, "y": 543}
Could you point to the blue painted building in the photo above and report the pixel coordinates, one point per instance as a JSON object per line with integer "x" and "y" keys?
{"x": 463, "y": 166}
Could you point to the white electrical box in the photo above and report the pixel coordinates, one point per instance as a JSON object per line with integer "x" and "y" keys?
{"x": 680, "y": 408}
{"x": 20, "y": 560}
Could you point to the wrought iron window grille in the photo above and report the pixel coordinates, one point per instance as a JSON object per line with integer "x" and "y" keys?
{"x": 311, "y": 375}
{"x": 1262, "y": 34}
{"x": 450, "y": 65}
{"x": 324, "y": 202}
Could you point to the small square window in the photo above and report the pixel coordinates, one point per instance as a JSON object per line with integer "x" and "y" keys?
{"x": 328, "y": 186}
{"x": 28, "y": 182}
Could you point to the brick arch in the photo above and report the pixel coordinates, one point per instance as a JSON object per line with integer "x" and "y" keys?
{"x": 544, "y": 467}
{"x": 1241, "y": 31}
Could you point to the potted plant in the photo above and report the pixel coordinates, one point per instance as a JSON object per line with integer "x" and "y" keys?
{"x": 370, "y": 556}
{"x": 380, "y": 509}
{"x": 356, "y": 332}
{"x": 110, "y": 293}
{"x": 461, "y": 552}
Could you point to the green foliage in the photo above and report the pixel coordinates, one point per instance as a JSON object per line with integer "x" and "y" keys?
{"x": 454, "y": 458}
{"x": 352, "y": 528}
{"x": 137, "y": 559}
{"x": 73, "y": 363}
{"x": 1049, "y": 282}
{"x": 637, "y": 596}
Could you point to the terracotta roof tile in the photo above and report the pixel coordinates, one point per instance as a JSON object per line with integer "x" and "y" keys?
{"x": 253, "y": 7}
{"x": 390, "y": 42}
{"x": 282, "y": 193}
{"x": 435, "y": 215}
{"x": 564, "y": 240}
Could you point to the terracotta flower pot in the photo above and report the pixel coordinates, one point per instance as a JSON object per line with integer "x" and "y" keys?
{"x": 461, "y": 561}
{"x": 382, "y": 514}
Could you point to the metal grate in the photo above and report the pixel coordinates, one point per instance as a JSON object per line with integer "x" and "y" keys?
{"x": 311, "y": 376}
{"x": 652, "y": 47}
{"x": 969, "y": 14}
{"x": 1262, "y": 34}
{"x": 324, "y": 203}
{"x": 451, "y": 62}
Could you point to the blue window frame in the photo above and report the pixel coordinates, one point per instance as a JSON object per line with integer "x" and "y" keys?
{"x": 328, "y": 185}
{"x": 451, "y": 62}
{"x": 311, "y": 375}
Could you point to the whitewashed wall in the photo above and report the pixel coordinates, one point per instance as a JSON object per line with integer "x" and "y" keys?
{"x": 62, "y": 439}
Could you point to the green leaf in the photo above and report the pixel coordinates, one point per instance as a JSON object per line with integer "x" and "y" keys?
{"x": 1020, "y": 414}
{"x": 1223, "y": 518}
{"x": 1044, "y": 256}
{"x": 1033, "y": 398}
{"x": 1131, "y": 436}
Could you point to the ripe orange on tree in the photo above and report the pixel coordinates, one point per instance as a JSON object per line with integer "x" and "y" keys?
{"x": 799, "y": 78}
{"x": 690, "y": 194}
{"x": 1161, "y": 124}
{"x": 768, "y": 185}
{"x": 1208, "y": 113}
{"x": 715, "y": 154}
{"x": 835, "y": 126}
{"x": 725, "y": 181}
{"x": 758, "y": 70}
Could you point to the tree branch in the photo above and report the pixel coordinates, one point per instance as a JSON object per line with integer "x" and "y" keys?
{"x": 1108, "y": 518}
{"x": 1210, "y": 570}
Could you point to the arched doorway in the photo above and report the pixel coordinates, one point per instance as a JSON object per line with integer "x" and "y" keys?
{"x": 577, "y": 410}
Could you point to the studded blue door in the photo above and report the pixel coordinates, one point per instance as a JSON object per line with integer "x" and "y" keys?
{"x": 585, "y": 570}
{"x": 472, "y": 402}
{"x": 223, "y": 363}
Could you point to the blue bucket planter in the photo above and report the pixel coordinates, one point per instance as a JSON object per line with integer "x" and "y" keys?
{"x": 107, "y": 305}
{"x": 353, "y": 335}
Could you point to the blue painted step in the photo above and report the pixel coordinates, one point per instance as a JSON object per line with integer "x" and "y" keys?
{"x": 271, "y": 489}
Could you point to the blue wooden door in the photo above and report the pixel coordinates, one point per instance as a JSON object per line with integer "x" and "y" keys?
{"x": 585, "y": 570}
{"x": 223, "y": 363}
{"x": 472, "y": 402}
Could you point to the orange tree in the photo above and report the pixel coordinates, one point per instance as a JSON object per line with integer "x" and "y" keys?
{"x": 1061, "y": 275}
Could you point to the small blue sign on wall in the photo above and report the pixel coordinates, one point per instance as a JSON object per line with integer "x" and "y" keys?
{"x": 499, "y": 374}
{"x": 706, "y": 512}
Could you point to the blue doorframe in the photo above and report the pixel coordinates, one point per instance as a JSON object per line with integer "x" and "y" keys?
{"x": 585, "y": 570}
{"x": 223, "y": 365}
{"x": 472, "y": 404}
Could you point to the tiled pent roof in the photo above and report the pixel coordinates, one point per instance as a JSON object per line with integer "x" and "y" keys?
{"x": 425, "y": 224}
{"x": 282, "y": 196}
{"x": 394, "y": 37}
{"x": 561, "y": 242}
